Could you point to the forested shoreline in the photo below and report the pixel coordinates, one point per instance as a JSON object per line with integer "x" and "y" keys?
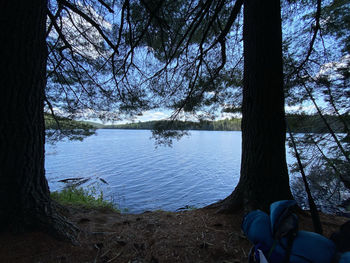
{"x": 299, "y": 123}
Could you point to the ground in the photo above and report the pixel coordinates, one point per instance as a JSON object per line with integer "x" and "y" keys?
{"x": 199, "y": 235}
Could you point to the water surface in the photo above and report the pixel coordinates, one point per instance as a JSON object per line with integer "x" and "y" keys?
{"x": 196, "y": 171}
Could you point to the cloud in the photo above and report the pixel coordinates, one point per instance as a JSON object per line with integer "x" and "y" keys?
{"x": 301, "y": 108}
{"x": 330, "y": 69}
{"x": 153, "y": 116}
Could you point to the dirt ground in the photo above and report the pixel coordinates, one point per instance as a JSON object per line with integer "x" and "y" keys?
{"x": 199, "y": 235}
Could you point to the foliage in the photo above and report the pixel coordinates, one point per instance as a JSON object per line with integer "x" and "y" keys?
{"x": 337, "y": 15}
{"x": 327, "y": 188}
{"x": 300, "y": 123}
{"x": 306, "y": 123}
{"x": 113, "y": 60}
{"x": 58, "y": 128}
{"x": 78, "y": 196}
{"x": 220, "y": 125}
{"x": 67, "y": 124}
{"x": 317, "y": 77}
{"x": 187, "y": 207}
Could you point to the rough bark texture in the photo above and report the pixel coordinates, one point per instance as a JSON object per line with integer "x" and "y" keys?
{"x": 264, "y": 175}
{"x": 24, "y": 194}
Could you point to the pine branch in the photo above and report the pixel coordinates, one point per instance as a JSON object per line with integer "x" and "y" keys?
{"x": 314, "y": 213}
{"x": 313, "y": 39}
{"x": 106, "y": 6}
{"x": 90, "y": 21}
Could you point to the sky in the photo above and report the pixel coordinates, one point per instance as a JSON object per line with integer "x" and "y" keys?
{"x": 154, "y": 115}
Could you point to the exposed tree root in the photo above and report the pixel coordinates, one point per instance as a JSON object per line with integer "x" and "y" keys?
{"x": 59, "y": 227}
{"x": 245, "y": 199}
{"x": 47, "y": 218}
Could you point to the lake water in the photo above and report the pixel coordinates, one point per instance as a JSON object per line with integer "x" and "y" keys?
{"x": 198, "y": 170}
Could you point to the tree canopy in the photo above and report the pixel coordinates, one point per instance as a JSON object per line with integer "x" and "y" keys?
{"x": 116, "y": 59}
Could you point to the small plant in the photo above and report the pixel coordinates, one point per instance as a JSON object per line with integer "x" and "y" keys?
{"x": 82, "y": 197}
{"x": 159, "y": 210}
{"x": 125, "y": 210}
{"x": 187, "y": 208}
{"x": 191, "y": 207}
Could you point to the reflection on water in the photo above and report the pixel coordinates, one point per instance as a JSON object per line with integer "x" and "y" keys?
{"x": 196, "y": 171}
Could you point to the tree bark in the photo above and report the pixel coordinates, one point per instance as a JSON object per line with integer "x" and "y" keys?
{"x": 264, "y": 175}
{"x": 24, "y": 193}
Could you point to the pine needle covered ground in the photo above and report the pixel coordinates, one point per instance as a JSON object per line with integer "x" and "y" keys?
{"x": 199, "y": 235}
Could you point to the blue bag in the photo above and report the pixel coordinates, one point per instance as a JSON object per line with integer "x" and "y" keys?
{"x": 277, "y": 236}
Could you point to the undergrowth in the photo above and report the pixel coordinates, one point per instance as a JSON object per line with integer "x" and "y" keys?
{"x": 78, "y": 196}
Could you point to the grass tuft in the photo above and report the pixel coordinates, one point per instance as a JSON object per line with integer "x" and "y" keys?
{"x": 87, "y": 198}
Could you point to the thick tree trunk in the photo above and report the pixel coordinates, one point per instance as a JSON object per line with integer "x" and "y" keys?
{"x": 264, "y": 175}
{"x": 24, "y": 194}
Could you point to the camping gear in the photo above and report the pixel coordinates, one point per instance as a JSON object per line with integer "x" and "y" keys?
{"x": 278, "y": 238}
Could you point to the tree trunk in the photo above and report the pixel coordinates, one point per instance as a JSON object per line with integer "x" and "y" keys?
{"x": 24, "y": 194}
{"x": 264, "y": 175}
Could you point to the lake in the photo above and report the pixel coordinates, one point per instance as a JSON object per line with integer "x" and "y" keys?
{"x": 196, "y": 171}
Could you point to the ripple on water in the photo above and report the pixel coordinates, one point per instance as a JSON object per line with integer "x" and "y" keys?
{"x": 197, "y": 170}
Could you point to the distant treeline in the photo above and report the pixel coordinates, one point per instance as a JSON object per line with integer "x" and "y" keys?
{"x": 220, "y": 125}
{"x": 63, "y": 123}
{"x": 300, "y": 123}
{"x": 303, "y": 123}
